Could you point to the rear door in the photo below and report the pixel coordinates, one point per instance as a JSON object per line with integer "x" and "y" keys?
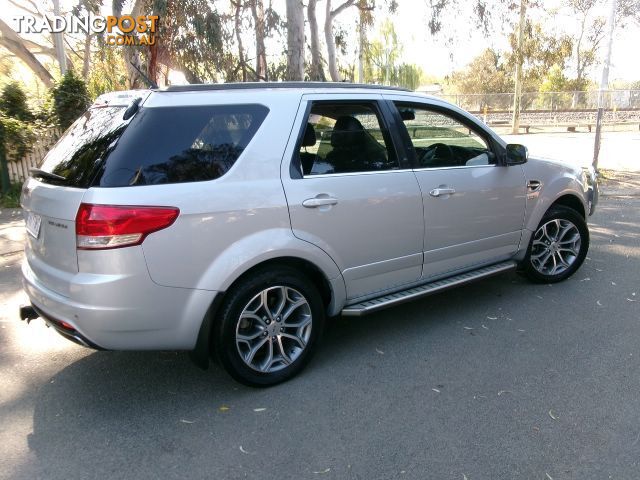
{"x": 473, "y": 207}
{"x": 350, "y": 194}
{"x": 51, "y": 201}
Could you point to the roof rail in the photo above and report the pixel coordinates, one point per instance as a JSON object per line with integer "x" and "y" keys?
{"x": 197, "y": 87}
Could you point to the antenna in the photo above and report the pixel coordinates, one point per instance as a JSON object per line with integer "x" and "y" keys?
{"x": 151, "y": 83}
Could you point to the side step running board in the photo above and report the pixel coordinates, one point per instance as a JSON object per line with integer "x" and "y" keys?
{"x": 379, "y": 303}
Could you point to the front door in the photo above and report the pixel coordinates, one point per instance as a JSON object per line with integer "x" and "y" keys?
{"x": 349, "y": 194}
{"x": 473, "y": 208}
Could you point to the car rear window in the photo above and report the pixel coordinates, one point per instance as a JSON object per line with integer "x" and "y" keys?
{"x": 84, "y": 146}
{"x": 159, "y": 145}
{"x": 180, "y": 144}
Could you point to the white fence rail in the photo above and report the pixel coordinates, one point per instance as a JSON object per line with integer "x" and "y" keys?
{"x": 19, "y": 170}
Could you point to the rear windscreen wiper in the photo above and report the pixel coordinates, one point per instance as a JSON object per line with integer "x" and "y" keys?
{"x": 37, "y": 173}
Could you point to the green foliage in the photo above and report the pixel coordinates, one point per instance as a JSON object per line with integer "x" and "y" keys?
{"x": 108, "y": 72}
{"x": 540, "y": 53}
{"x": 16, "y": 138}
{"x": 11, "y": 198}
{"x": 382, "y": 61}
{"x": 191, "y": 34}
{"x": 13, "y": 102}
{"x": 70, "y": 99}
{"x": 486, "y": 75}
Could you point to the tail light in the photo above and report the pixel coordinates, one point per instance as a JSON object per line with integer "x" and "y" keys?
{"x": 100, "y": 227}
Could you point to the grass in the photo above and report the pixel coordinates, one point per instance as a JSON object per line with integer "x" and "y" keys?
{"x": 11, "y": 198}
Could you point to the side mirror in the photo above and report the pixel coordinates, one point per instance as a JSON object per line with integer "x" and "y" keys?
{"x": 516, "y": 154}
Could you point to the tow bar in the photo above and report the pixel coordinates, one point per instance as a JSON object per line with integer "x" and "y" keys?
{"x": 28, "y": 313}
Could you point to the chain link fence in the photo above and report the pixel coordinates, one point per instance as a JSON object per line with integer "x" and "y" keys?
{"x": 547, "y": 101}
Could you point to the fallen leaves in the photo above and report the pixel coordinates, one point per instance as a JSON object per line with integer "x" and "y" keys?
{"x": 223, "y": 408}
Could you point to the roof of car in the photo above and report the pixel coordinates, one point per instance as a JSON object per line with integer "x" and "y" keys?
{"x": 285, "y": 85}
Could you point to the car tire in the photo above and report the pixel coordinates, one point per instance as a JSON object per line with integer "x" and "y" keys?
{"x": 269, "y": 326}
{"x": 558, "y": 246}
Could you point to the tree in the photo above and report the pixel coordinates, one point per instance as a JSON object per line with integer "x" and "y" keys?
{"x": 316, "y": 68}
{"x": 591, "y": 33}
{"x": 485, "y": 75}
{"x": 540, "y": 52}
{"x": 13, "y": 102}
{"x": 330, "y": 16}
{"x": 18, "y": 46}
{"x": 70, "y": 99}
{"x": 383, "y": 54}
{"x": 295, "y": 40}
{"x": 257, "y": 11}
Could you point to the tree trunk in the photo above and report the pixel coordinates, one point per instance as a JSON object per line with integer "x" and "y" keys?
{"x": 295, "y": 40}
{"x": 86, "y": 60}
{"x": 131, "y": 54}
{"x": 328, "y": 35}
{"x": 317, "y": 71}
{"x": 331, "y": 44}
{"x": 58, "y": 41}
{"x": 517, "y": 96}
{"x": 257, "y": 10}
{"x": 238, "y": 28}
{"x": 362, "y": 40}
{"x": 12, "y": 42}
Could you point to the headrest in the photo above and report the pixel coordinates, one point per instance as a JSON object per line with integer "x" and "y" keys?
{"x": 347, "y": 132}
{"x": 309, "y": 139}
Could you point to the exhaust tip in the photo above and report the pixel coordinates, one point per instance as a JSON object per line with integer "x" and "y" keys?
{"x": 27, "y": 312}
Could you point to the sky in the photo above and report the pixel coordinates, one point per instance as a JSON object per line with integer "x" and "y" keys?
{"x": 432, "y": 53}
{"x": 439, "y": 59}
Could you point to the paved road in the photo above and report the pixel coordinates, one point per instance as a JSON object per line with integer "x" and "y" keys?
{"x": 500, "y": 379}
{"x": 618, "y": 150}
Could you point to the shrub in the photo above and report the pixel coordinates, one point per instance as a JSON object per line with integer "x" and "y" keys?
{"x": 70, "y": 99}
{"x": 17, "y": 138}
{"x": 13, "y": 102}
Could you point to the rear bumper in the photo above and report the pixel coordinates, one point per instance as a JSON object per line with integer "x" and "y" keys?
{"x": 127, "y": 312}
{"x": 67, "y": 332}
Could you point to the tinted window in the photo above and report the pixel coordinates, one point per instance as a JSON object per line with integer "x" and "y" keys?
{"x": 181, "y": 144}
{"x": 84, "y": 146}
{"x": 343, "y": 138}
{"x": 442, "y": 141}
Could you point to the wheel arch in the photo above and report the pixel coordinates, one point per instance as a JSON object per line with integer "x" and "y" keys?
{"x": 572, "y": 201}
{"x": 332, "y": 292}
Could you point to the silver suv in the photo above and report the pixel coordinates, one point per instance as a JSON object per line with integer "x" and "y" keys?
{"x": 233, "y": 219}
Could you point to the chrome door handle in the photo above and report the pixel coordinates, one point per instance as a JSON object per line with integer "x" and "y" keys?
{"x": 436, "y": 192}
{"x": 319, "y": 202}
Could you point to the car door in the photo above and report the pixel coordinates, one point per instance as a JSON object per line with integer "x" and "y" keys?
{"x": 473, "y": 207}
{"x": 350, "y": 195}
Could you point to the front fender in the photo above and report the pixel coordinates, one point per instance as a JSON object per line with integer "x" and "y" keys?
{"x": 556, "y": 181}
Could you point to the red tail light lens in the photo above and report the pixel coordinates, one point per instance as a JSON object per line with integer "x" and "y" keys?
{"x": 99, "y": 227}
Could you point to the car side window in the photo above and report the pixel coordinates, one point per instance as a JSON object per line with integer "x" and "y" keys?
{"x": 345, "y": 138}
{"x": 442, "y": 141}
